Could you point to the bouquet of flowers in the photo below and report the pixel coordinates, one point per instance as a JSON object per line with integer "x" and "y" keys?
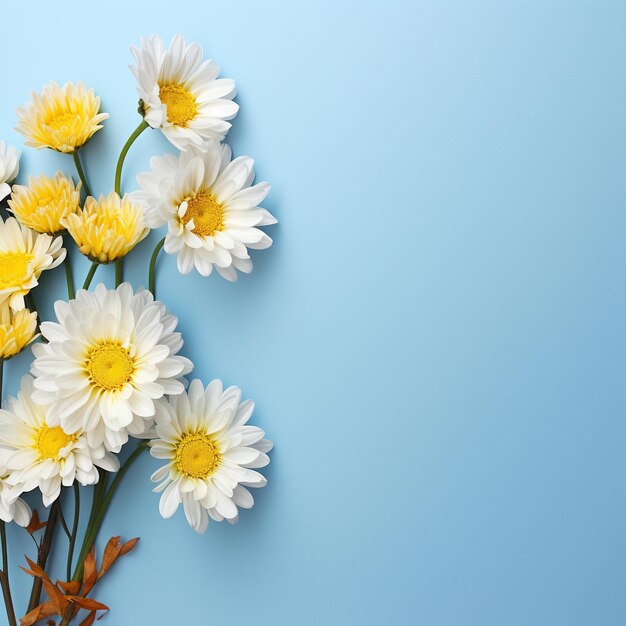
{"x": 108, "y": 373}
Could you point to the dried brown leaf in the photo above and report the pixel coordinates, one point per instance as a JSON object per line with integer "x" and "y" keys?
{"x": 111, "y": 552}
{"x": 70, "y": 588}
{"x": 38, "y": 613}
{"x": 35, "y": 570}
{"x": 128, "y": 546}
{"x": 90, "y": 576}
{"x": 88, "y": 603}
{"x": 35, "y": 524}
{"x": 88, "y": 621}
{"x": 57, "y": 598}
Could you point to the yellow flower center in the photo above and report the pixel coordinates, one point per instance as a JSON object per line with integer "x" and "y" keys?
{"x": 61, "y": 120}
{"x": 13, "y": 268}
{"x": 51, "y": 440}
{"x": 197, "y": 455}
{"x": 109, "y": 365}
{"x": 179, "y": 102}
{"x": 207, "y": 214}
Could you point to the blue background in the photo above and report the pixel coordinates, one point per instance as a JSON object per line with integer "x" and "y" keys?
{"x": 436, "y": 341}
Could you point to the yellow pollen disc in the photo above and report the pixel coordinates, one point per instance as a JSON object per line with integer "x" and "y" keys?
{"x": 207, "y": 214}
{"x": 197, "y": 455}
{"x": 62, "y": 120}
{"x": 13, "y": 268}
{"x": 109, "y": 366}
{"x": 179, "y": 102}
{"x": 51, "y": 440}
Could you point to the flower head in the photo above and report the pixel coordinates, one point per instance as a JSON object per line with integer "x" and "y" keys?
{"x": 211, "y": 454}
{"x": 108, "y": 228}
{"x": 45, "y": 201}
{"x": 61, "y": 118}
{"x": 24, "y": 254}
{"x": 210, "y": 208}
{"x": 9, "y": 168}
{"x": 37, "y": 454}
{"x": 17, "y": 330}
{"x": 111, "y": 355}
{"x": 180, "y": 93}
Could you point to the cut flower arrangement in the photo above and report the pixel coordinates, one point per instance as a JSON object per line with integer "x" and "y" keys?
{"x": 108, "y": 372}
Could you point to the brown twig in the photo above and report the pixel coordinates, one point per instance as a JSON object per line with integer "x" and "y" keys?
{"x": 42, "y": 554}
{"x": 4, "y": 579}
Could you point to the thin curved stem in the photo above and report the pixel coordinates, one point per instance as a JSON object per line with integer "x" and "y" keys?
{"x": 99, "y": 513}
{"x": 70, "y": 552}
{"x": 81, "y": 172}
{"x": 119, "y": 266}
{"x": 64, "y": 525}
{"x": 151, "y": 272}
{"x": 92, "y": 271}
{"x": 68, "y": 276}
{"x": 120, "y": 162}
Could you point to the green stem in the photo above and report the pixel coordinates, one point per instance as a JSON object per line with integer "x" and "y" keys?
{"x": 70, "y": 552}
{"x": 119, "y": 272}
{"x": 68, "y": 276}
{"x": 66, "y": 530}
{"x": 92, "y": 271}
{"x": 151, "y": 272}
{"x": 119, "y": 266}
{"x": 100, "y": 511}
{"x": 81, "y": 172}
{"x": 120, "y": 162}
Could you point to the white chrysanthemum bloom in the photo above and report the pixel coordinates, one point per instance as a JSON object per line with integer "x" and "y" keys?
{"x": 181, "y": 93}
{"x": 24, "y": 254}
{"x": 109, "y": 357}
{"x": 12, "y": 507}
{"x": 210, "y": 453}
{"x": 9, "y": 168}
{"x": 37, "y": 454}
{"x": 210, "y": 207}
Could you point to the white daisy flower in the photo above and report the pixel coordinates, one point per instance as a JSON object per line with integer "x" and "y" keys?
{"x": 210, "y": 453}
{"x": 181, "y": 93}
{"x": 9, "y": 168}
{"x": 40, "y": 455}
{"x": 210, "y": 207}
{"x": 109, "y": 358}
{"x": 12, "y": 507}
{"x": 24, "y": 254}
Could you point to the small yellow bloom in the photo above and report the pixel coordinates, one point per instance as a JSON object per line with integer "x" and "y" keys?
{"x": 24, "y": 255}
{"x": 108, "y": 228}
{"x": 17, "y": 330}
{"x": 61, "y": 118}
{"x": 45, "y": 202}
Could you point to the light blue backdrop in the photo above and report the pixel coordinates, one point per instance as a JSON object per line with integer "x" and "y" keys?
{"x": 436, "y": 342}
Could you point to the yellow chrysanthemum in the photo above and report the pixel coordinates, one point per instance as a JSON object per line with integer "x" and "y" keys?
{"x": 45, "y": 202}
{"x": 108, "y": 228}
{"x": 24, "y": 254}
{"x": 17, "y": 330}
{"x": 61, "y": 118}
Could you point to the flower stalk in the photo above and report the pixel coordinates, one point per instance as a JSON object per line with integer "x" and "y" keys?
{"x": 119, "y": 266}
{"x": 151, "y": 271}
{"x": 81, "y": 172}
